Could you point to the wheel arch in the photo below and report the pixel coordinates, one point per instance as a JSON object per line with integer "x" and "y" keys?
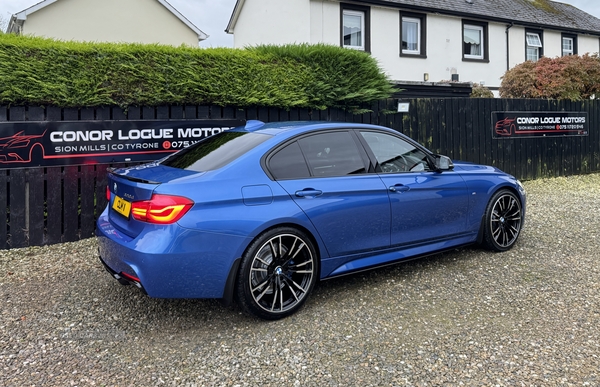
{"x": 515, "y": 191}
{"x": 230, "y": 283}
{"x": 33, "y": 148}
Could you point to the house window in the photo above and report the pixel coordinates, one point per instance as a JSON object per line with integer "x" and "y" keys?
{"x": 412, "y": 34}
{"x": 569, "y": 44}
{"x": 533, "y": 45}
{"x": 475, "y": 41}
{"x": 355, "y": 27}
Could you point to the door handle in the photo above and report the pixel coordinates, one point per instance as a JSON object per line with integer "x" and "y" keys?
{"x": 308, "y": 193}
{"x": 399, "y": 188}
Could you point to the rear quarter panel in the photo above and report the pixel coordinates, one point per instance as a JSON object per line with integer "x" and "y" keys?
{"x": 221, "y": 207}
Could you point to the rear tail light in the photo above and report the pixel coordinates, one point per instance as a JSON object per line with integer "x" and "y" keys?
{"x": 107, "y": 194}
{"x": 161, "y": 209}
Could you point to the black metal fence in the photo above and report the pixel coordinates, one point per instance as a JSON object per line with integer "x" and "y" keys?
{"x": 60, "y": 204}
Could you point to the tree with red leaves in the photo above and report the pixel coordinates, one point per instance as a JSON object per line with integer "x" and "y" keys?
{"x": 569, "y": 77}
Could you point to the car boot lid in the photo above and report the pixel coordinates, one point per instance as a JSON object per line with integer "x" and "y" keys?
{"x": 153, "y": 173}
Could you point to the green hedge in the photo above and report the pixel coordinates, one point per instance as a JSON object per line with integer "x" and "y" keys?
{"x": 36, "y": 71}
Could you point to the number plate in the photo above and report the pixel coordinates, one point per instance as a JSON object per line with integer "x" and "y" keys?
{"x": 122, "y": 206}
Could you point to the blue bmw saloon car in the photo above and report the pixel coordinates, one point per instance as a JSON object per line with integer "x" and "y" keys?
{"x": 261, "y": 213}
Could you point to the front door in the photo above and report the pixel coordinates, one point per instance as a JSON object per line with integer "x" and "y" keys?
{"x": 426, "y": 205}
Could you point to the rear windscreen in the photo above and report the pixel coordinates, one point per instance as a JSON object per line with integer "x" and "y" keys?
{"x": 215, "y": 151}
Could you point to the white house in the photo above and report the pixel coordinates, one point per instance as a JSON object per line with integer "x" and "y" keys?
{"x": 127, "y": 21}
{"x": 425, "y": 40}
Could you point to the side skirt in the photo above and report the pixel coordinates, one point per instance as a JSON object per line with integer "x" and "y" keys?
{"x": 391, "y": 257}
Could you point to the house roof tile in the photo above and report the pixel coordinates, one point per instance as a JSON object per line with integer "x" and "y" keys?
{"x": 531, "y": 12}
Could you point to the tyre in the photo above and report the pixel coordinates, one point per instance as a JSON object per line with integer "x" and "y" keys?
{"x": 277, "y": 273}
{"x": 502, "y": 221}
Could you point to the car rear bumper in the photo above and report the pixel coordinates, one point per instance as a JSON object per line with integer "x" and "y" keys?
{"x": 122, "y": 278}
{"x": 169, "y": 262}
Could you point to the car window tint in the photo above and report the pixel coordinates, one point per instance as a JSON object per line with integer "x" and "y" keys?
{"x": 394, "y": 154}
{"x": 332, "y": 154}
{"x": 288, "y": 163}
{"x": 215, "y": 151}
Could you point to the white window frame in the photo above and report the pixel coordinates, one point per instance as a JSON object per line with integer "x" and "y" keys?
{"x": 407, "y": 19}
{"x": 571, "y": 50}
{"x": 533, "y": 54}
{"x": 481, "y": 40}
{"x": 361, "y": 14}
{"x": 533, "y": 43}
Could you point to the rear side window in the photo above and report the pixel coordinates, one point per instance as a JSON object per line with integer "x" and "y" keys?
{"x": 332, "y": 154}
{"x": 288, "y": 163}
{"x": 215, "y": 151}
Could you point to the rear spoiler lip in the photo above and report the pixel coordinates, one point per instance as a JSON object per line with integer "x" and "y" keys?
{"x": 111, "y": 170}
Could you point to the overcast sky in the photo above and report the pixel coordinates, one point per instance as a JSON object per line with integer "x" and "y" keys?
{"x": 212, "y": 16}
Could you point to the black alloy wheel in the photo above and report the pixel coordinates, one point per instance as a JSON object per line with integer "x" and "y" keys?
{"x": 503, "y": 220}
{"x": 278, "y": 272}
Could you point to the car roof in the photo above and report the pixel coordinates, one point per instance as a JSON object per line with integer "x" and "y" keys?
{"x": 296, "y": 127}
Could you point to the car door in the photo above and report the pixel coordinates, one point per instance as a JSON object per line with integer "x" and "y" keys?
{"x": 326, "y": 175}
{"x": 426, "y": 205}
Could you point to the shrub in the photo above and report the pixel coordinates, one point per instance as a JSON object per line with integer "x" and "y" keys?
{"x": 36, "y": 71}
{"x": 569, "y": 77}
{"x": 480, "y": 91}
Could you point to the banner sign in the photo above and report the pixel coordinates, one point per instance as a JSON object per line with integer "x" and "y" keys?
{"x": 539, "y": 124}
{"x": 52, "y": 143}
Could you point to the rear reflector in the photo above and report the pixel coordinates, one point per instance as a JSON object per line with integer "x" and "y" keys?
{"x": 161, "y": 209}
{"x": 129, "y": 277}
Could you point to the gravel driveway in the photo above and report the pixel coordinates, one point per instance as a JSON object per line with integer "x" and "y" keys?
{"x": 530, "y": 316}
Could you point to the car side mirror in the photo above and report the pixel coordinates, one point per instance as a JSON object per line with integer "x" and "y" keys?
{"x": 443, "y": 163}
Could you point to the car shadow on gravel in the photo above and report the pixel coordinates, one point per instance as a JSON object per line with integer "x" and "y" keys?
{"x": 341, "y": 292}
